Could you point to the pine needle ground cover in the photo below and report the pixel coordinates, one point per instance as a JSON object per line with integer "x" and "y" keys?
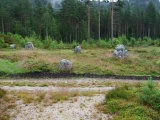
{"x": 141, "y": 61}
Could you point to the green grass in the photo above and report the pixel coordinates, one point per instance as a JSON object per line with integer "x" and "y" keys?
{"x": 50, "y": 97}
{"x": 8, "y": 67}
{"x": 141, "y": 61}
{"x": 128, "y": 103}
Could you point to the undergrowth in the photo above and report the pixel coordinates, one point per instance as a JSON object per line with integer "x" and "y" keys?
{"x": 134, "y": 102}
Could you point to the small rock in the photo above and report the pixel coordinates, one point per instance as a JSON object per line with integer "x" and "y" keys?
{"x": 120, "y": 52}
{"x": 29, "y": 46}
{"x": 77, "y": 49}
{"x": 65, "y": 65}
{"x": 13, "y": 46}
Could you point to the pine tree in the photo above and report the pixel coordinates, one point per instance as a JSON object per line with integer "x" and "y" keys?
{"x": 150, "y": 17}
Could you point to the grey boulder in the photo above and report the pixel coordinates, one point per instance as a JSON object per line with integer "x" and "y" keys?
{"x": 120, "y": 51}
{"x": 29, "y": 46}
{"x": 65, "y": 65}
{"x": 13, "y": 46}
{"x": 77, "y": 49}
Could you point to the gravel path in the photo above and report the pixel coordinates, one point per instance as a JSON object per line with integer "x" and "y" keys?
{"x": 77, "y": 108}
{"x": 82, "y": 109}
{"x": 27, "y": 88}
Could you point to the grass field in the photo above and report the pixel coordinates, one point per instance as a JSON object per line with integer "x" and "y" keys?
{"x": 141, "y": 61}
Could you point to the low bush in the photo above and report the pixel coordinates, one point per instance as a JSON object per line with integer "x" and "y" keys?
{"x": 61, "y": 45}
{"x": 74, "y": 44}
{"x": 133, "y": 42}
{"x": 2, "y": 44}
{"x": 54, "y": 44}
{"x": 150, "y": 95}
{"x": 36, "y": 66}
{"x": 158, "y": 62}
{"x": 123, "y": 40}
{"x": 104, "y": 44}
{"x": 119, "y": 93}
{"x": 116, "y": 41}
{"x": 8, "y": 67}
{"x": 2, "y": 93}
{"x": 47, "y": 42}
{"x": 84, "y": 44}
{"x": 134, "y": 102}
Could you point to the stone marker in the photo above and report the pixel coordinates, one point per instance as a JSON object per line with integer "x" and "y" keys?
{"x": 65, "y": 65}
{"x": 13, "y": 46}
{"x": 29, "y": 46}
{"x": 120, "y": 51}
{"x": 77, "y": 49}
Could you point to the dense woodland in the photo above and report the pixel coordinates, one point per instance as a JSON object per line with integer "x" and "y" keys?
{"x": 70, "y": 22}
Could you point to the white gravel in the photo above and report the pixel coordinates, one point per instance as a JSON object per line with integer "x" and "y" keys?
{"x": 81, "y": 109}
{"x": 77, "y": 108}
{"x": 51, "y": 88}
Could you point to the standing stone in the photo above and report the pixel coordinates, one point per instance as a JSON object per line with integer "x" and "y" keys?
{"x": 120, "y": 52}
{"x": 65, "y": 65}
{"x": 13, "y": 46}
{"x": 77, "y": 49}
{"x": 29, "y": 46}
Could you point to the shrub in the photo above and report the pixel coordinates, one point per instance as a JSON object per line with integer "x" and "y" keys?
{"x": 36, "y": 66}
{"x": 104, "y": 44}
{"x": 2, "y": 44}
{"x": 2, "y": 93}
{"x": 47, "y": 43}
{"x": 16, "y": 38}
{"x": 22, "y": 43}
{"x": 146, "y": 41}
{"x": 133, "y": 111}
{"x": 123, "y": 40}
{"x": 158, "y": 62}
{"x": 116, "y": 41}
{"x": 61, "y": 45}
{"x": 133, "y": 42}
{"x": 8, "y": 67}
{"x": 139, "y": 41}
{"x": 155, "y": 42}
{"x": 74, "y": 44}
{"x": 114, "y": 105}
{"x": 85, "y": 44}
{"x": 54, "y": 44}
{"x": 119, "y": 93}
{"x": 150, "y": 95}
{"x": 92, "y": 41}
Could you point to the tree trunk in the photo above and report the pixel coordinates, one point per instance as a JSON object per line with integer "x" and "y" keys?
{"x": 154, "y": 33}
{"x": 99, "y": 21}
{"x": 143, "y": 31}
{"x": 2, "y": 26}
{"x": 111, "y": 22}
{"x": 76, "y": 35}
{"x": 137, "y": 30}
{"x": 119, "y": 29}
{"x": 88, "y": 21}
{"x": 127, "y": 30}
{"x": 149, "y": 29}
{"x": 70, "y": 37}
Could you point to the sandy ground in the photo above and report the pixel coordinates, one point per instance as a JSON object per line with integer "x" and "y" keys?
{"x": 77, "y": 108}
{"x": 82, "y": 109}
